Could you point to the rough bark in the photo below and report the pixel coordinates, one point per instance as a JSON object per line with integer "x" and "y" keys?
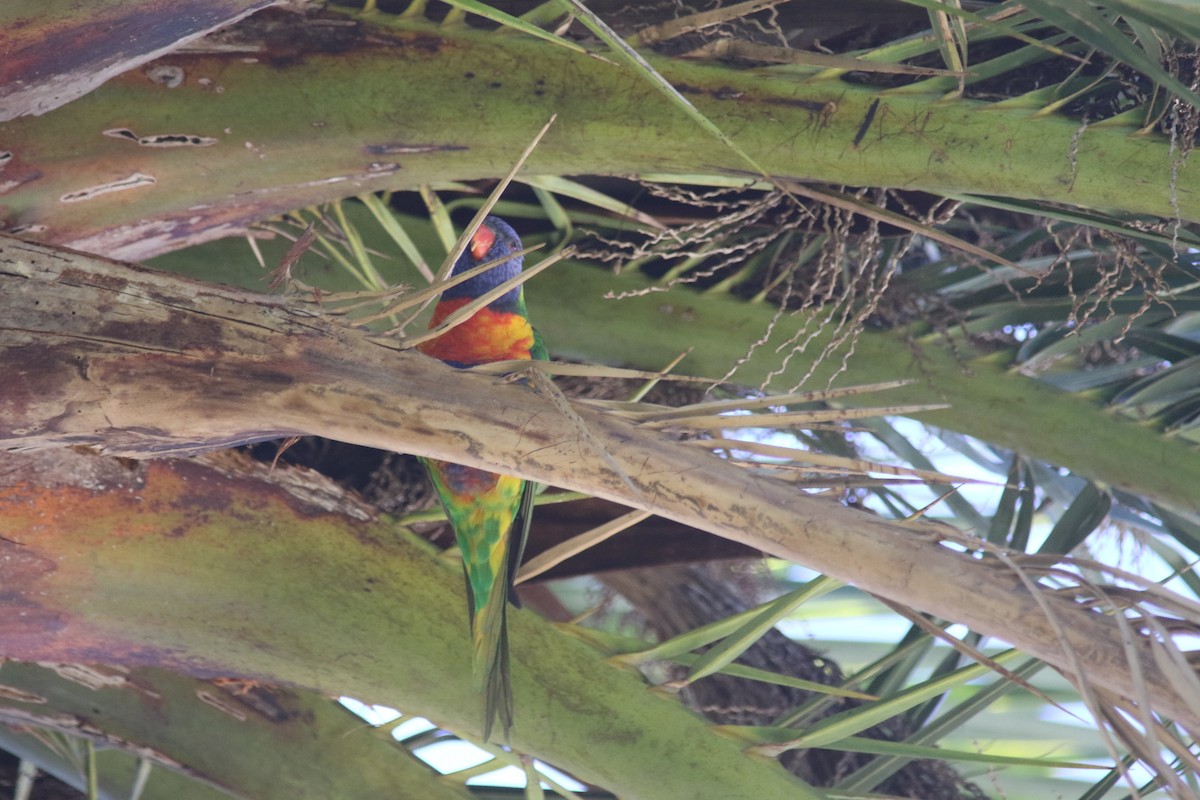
{"x": 141, "y": 363}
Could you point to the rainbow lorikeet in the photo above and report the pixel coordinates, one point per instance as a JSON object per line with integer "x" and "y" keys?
{"x": 489, "y": 512}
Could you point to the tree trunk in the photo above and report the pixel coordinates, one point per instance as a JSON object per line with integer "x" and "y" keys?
{"x": 143, "y": 363}
{"x": 307, "y": 110}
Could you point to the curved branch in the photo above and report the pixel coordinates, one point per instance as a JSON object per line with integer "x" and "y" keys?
{"x": 142, "y": 363}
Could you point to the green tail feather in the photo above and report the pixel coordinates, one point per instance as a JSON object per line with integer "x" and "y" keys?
{"x": 489, "y": 633}
{"x": 497, "y": 688}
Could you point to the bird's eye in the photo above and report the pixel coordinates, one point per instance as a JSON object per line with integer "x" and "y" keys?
{"x": 482, "y": 241}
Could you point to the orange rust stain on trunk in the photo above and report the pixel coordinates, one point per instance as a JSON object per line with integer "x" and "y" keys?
{"x": 38, "y": 516}
{"x": 50, "y": 533}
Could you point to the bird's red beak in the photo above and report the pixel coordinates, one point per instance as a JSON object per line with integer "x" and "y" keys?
{"x": 482, "y": 241}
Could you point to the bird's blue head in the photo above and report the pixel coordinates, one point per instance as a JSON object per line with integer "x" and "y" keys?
{"x": 494, "y": 239}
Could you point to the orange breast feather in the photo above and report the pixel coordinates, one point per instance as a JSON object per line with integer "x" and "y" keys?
{"x": 487, "y": 336}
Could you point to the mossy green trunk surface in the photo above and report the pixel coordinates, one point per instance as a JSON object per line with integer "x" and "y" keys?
{"x": 197, "y": 146}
